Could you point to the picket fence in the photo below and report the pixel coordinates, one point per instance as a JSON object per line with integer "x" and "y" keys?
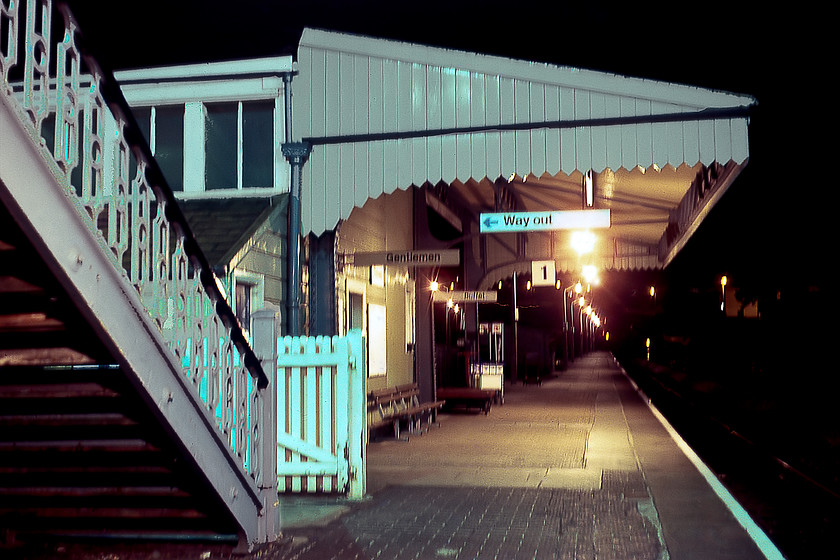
{"x": 321, "y": 421}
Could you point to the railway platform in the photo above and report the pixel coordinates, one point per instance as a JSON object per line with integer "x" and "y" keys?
{"x": 580, "y": 467}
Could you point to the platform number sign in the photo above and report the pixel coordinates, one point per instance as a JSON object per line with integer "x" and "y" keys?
{"x": 542, "y": 273}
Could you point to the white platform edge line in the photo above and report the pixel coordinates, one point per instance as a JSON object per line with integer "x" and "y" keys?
{"x": 759, "y": 537}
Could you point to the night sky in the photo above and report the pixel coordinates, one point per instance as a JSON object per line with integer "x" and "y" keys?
{"x": 772, "y": 224}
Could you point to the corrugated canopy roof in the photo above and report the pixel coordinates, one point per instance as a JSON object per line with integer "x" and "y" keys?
{"x": 384, "y": 115}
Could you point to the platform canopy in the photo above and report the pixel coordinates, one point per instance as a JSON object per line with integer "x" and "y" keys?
{"x": 515, "y": 135}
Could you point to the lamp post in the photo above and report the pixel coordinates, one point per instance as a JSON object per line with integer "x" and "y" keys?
{"x": 568, "y": 339}
{"x": 723, "y": 281}
{"x": 434, "y": 287}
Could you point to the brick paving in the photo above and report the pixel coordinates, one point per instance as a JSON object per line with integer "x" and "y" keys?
{"x": 488, "y": 523}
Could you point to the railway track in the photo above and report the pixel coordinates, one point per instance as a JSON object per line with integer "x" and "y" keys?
{"x": 798, "y": 510}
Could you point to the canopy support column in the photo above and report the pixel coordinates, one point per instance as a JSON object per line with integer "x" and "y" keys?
{"x": 297, "y": 154}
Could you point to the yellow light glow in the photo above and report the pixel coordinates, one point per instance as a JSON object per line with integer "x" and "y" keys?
{"x": 434, "y": 286}
{"x": 583, "y": 242}
{"x": 590, "y": 274}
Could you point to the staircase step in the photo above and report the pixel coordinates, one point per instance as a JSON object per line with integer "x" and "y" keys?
{"x": 43, "y": 356}
{"x": 81, "y": 451}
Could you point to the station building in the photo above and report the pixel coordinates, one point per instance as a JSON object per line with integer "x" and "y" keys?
{"x": 379, "y": 147}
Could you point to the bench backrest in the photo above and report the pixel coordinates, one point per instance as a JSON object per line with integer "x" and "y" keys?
{"x": 394, "y": 398}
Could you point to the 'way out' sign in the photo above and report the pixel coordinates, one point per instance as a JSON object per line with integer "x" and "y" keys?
{"x": 543, "y": 221}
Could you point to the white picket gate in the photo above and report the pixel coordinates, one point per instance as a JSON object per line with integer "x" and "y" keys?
{"x": 321, "y": 423}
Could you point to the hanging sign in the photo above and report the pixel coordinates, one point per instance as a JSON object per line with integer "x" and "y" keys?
{"x": 499, "y": 222}
{"x": 443, "y": 257}
{"x": 462, "y": 296}
{"x": 542, "y": 273}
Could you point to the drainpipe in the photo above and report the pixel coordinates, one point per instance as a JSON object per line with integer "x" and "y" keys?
{"x": 296, "y": 153}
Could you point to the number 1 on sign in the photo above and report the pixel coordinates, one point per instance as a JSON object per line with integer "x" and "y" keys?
{"x": 542, "y": 273}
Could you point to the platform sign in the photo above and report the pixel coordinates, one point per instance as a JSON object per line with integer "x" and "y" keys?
{"x": 542, "y": 273}
{"x": 461, "y": 296}
{"x": 435, "y": 257}
{"x": 499, "y": 222}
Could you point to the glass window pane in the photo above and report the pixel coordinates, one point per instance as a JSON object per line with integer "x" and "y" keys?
{"x": 242, "y": 303}
{"x": 143, "y": 116}
{"x": 220, "y": 147}
{"x": 257, "y": 144}
{"x": 169, "y": 144}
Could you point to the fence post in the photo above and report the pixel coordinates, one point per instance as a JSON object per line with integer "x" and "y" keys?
{"x": 357, "y": 423}
{"x": 264, "y": 343}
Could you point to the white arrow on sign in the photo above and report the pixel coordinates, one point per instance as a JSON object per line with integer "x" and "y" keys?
{"x": 499, "y": 222}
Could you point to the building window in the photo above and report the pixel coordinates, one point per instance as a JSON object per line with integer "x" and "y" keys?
{"x": 163, "y": 128}
{"x": 377, "y": 338}
{"x": 239, "y": 148}
{"x": 242, "y": 305}
{"x": 248, "y": 294}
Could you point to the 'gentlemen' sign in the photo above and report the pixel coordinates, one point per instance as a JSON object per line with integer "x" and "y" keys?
{"x": 444, "y": 257}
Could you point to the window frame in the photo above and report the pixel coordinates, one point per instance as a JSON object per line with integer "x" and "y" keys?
{"x": 193, "y": 182}
{"x": 257, "y": 294}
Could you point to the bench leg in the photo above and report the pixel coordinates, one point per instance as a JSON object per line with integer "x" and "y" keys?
{"x": 397, "y": 431}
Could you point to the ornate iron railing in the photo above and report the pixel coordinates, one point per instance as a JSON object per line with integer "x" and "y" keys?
{"x": 75, "y": 109}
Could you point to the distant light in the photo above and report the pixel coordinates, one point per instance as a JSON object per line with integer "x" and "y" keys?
{"x": 434, "y": 286}
{"x": 652, "y": 291}
{"x": 583, "y": 242}
{"x": 590, "y": 274}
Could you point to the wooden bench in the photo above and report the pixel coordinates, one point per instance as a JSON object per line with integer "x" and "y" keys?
{"x": 393, "y": 405}
{"x": 468, "y": 397}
